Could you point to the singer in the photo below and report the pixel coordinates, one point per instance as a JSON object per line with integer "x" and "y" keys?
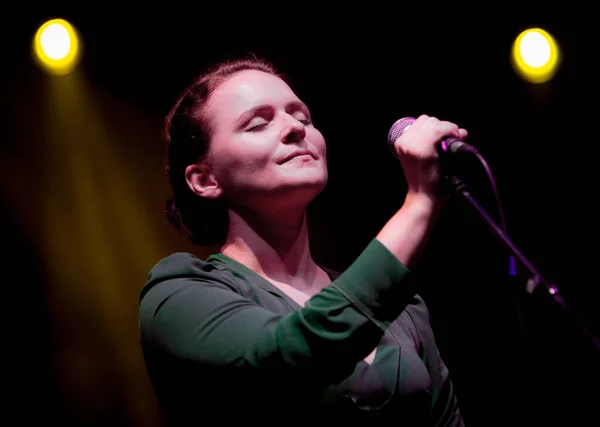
{"x": 259, "y": 332}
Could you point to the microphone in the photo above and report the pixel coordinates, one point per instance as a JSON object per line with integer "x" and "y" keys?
{"x": 449, "y": 145}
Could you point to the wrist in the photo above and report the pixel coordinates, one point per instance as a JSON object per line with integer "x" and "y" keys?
{"x": 424, "y": 204}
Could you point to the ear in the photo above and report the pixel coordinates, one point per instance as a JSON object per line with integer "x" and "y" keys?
{"x": 202, "y": 182}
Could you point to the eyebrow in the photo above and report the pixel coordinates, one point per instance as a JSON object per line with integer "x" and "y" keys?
{"x": 248, "y": 114}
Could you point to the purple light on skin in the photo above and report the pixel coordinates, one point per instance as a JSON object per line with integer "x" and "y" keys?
{"x": 444, "y": 145}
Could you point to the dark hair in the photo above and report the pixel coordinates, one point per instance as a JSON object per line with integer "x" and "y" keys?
{"x": 188, "y": 131}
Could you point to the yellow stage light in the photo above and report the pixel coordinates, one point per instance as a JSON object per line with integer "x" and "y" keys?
{"x": 56, "y": 47}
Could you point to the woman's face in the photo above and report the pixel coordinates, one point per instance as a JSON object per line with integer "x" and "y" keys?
{"x": 264, "y": 150}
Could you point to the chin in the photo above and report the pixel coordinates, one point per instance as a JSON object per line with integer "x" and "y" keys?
{"x": 317, "y": 181}
{"x": 307, "y": 176}
{"x": 305, "y": 188}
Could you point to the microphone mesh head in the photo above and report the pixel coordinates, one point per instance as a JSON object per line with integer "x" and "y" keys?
{"x": 398, "y": 129}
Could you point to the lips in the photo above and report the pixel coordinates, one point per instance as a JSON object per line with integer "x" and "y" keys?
{"x": 296, "y": 154}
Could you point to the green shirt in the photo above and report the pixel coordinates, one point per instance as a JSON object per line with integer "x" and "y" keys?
{"x": 221, "y": 341}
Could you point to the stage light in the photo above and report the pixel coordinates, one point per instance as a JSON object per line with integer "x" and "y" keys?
{"x": 56, "y": 47}
{"x": 535, "y": 55}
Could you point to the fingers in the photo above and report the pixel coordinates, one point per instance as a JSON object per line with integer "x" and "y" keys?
{"x": 421, "y": 139}
{"x": 418, "y": 151}
{"x": 438, "y": 128}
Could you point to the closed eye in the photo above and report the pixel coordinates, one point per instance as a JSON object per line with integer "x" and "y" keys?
{"x": 257, "y": 127}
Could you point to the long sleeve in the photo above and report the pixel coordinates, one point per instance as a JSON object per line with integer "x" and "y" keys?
{"x": 191, "y": 313}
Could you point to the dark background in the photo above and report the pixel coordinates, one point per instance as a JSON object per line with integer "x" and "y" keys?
{"x": 83, "y": 193}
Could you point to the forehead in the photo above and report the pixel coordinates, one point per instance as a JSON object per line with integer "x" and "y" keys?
{"x": 247, "y": 89}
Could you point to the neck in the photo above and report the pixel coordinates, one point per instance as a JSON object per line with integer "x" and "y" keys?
{"x": 275, "y": 246}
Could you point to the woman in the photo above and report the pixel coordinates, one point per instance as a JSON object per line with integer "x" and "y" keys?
{"x": 259, "y": 331}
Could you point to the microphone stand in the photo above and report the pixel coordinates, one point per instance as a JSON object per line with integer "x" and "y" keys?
{"x": 535, "y": 278}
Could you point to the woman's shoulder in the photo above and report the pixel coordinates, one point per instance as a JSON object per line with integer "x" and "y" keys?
{"x": 183, "y": 266}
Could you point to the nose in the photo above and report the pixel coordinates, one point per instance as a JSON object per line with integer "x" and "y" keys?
{"x": 294, "y": 130}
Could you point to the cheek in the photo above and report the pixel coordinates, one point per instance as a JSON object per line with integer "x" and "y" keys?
{"x": 240, "y": 161}
{"x": 318, "y": 142}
